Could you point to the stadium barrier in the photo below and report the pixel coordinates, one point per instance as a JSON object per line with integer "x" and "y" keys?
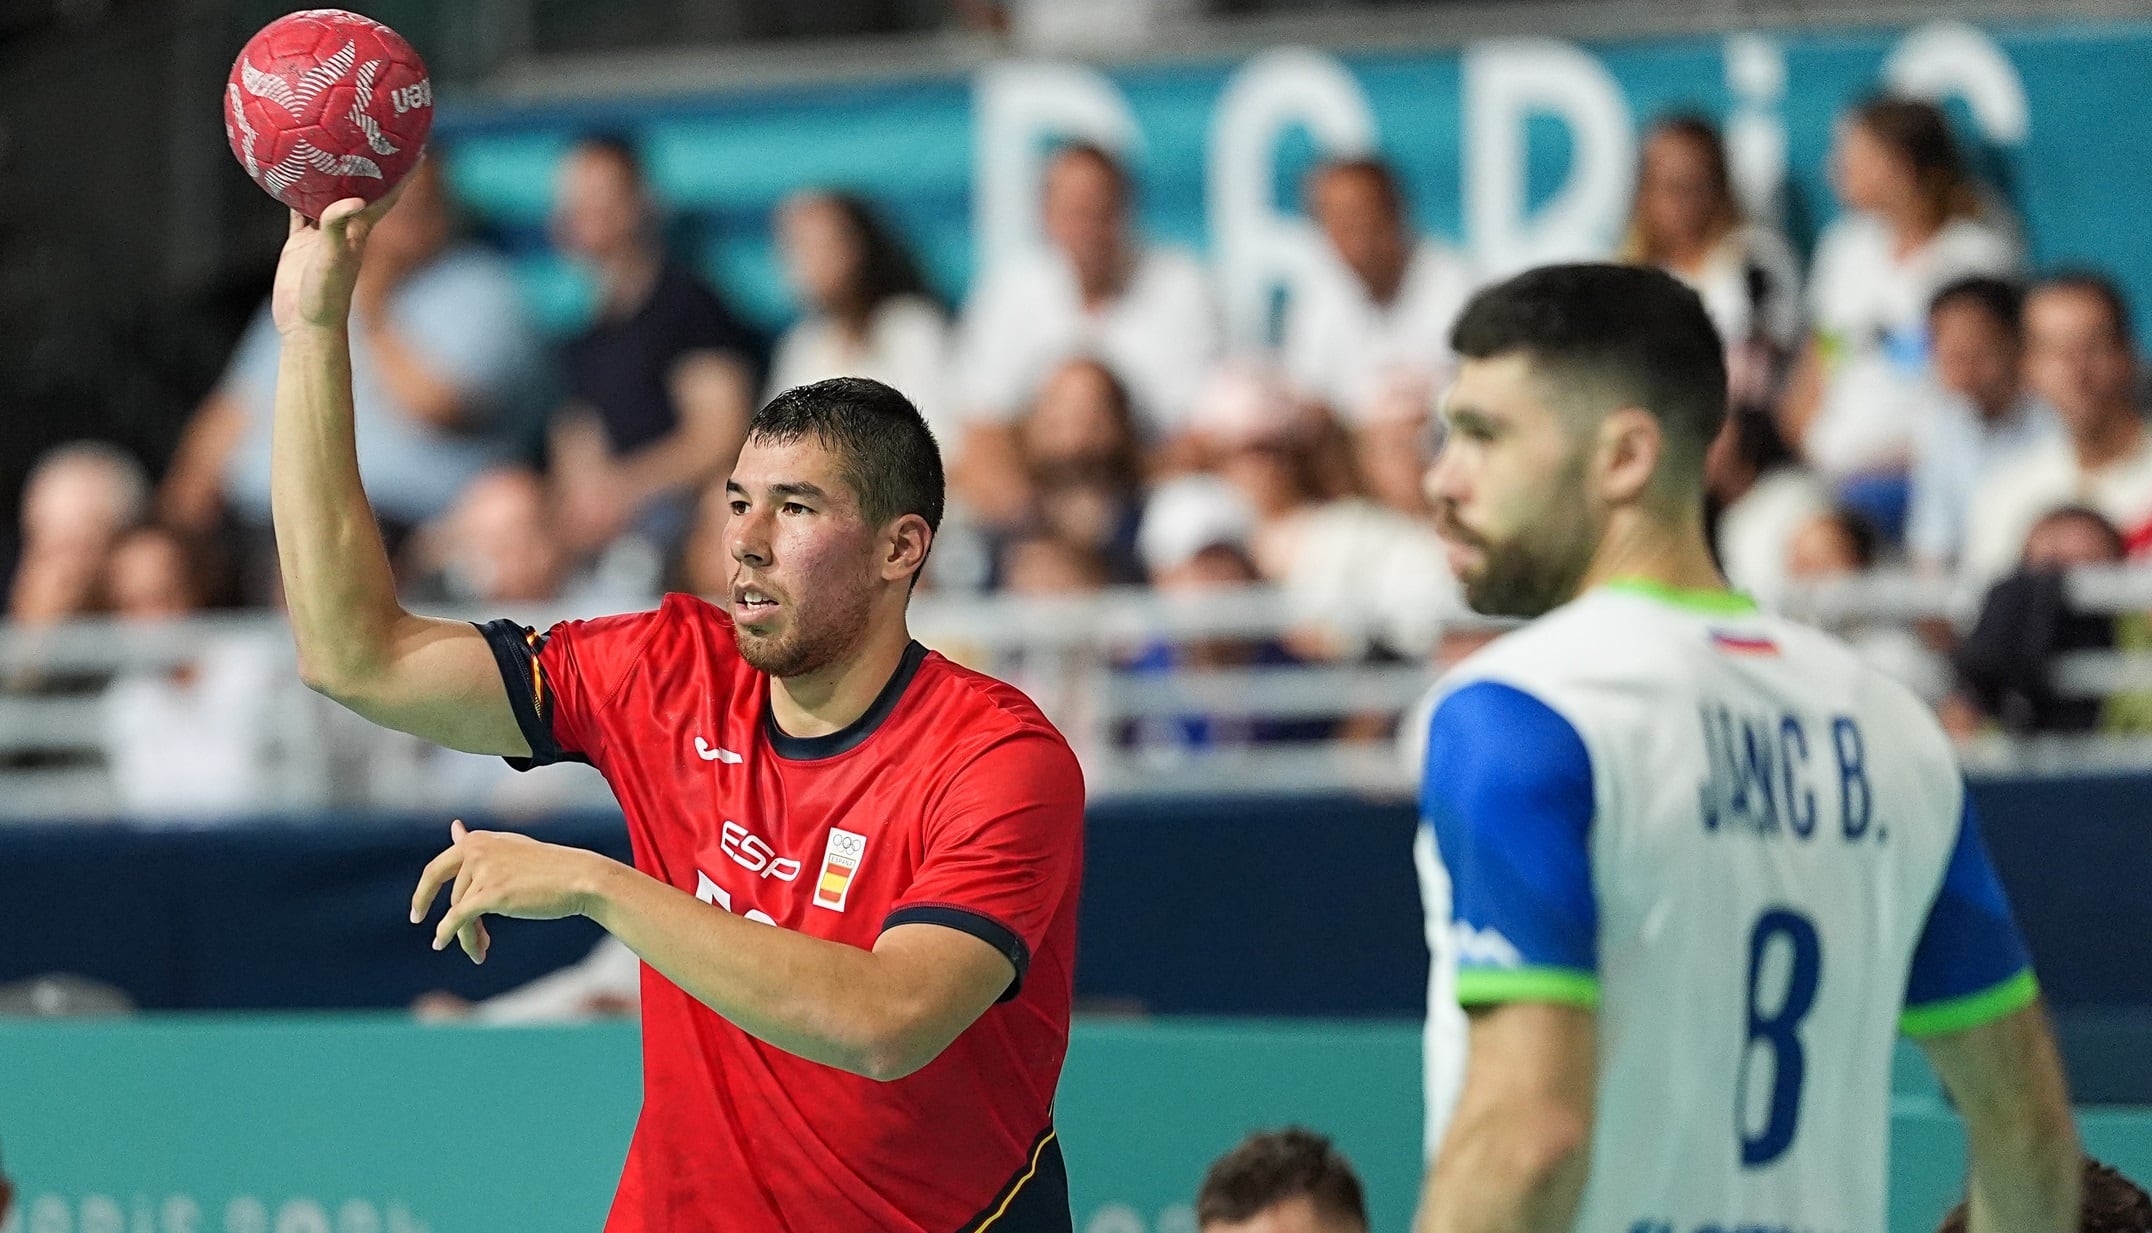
{"x": 1274, "y": 906}
{"x": 63, "y": 750}
{"x": 370, "y": 1124}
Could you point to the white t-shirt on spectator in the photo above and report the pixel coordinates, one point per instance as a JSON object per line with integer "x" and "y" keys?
{"x": 1870, "y": 310}
{"x": 1386, "y": 575}
{"x": 198, "y": 746}
{"x": 1341, "y": 347}
{"x": 906, "y": 347}
{"x": 1755, "y": 531}
{"x": 1955, "y": 450}
{"x": 1027, "y": 316}
{"x": 2045, "y": 479}
{"x": 1734, "y": 305}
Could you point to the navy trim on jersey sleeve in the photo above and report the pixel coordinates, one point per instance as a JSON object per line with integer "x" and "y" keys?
{"x": 1971, "y": 965}
{"x": 985, "y": 928}
{"x": 515, "y": 652}
{"x": 1509, "y": 794}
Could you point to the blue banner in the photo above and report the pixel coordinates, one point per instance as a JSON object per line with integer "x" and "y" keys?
{"x": 1516, "y": 150}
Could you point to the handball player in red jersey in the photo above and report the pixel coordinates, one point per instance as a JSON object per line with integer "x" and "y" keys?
{"x": 856, "y": 863}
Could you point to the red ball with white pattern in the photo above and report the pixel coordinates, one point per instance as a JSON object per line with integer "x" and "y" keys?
{"x": 324, "y": 105}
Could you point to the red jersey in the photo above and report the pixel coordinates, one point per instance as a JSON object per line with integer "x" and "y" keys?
{"x": 952, "y": 801}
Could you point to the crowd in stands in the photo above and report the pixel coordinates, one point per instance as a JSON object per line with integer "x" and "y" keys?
{"x": 1918, "y": 397}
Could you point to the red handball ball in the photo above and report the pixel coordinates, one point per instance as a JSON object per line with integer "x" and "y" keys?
{"x": 324, "y": 105}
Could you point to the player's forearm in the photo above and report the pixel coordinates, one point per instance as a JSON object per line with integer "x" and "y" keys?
{"x": 337, "y": 583}
{"x": 821, "y": 1000}
{"x": 2025, "y": 1184}
{"x": 1515, "y": 1174}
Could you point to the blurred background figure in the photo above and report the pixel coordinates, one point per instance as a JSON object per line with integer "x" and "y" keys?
{"x": 1687, "y": 221}
{"x": 77, "y": 502}
{"x": 1281, "y": 1181}
{"x": 1913, "y": 221}
{"x": 1083, "y": 465}
{"x": 1982, "y": 418}
{"x": 1379, "y": 305}
{"x": 497, "y": 546}
{"x": 660, "y": 383}
{"x": 447, "y": 375}
{"x": 1048, "y": 565}
{"x": 1759, "y": 497}
{"x": 193, "y": 740}
{"x": 1837, "y": 543}
{"x": 864, "y": 307}
{"x": 1096, "y": 289}
{"x": 1361, "y": 577}
{"x": 2027, "y": 619}
{"x": 2081, "y": 360}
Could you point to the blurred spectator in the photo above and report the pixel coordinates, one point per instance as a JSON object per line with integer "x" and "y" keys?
{"x": 1380, "y": 303}
{"x": 1687, "y": 221}
{"x": 2109, "y": 1203}
{"x": 447, "y": 379}
{"x": 2027, "y": 620}
{"x": 496, "y": 547}
{"x": 1095, "y": 290}
{"x": 1762, "y": 497}
{"x": 1047, "y": 565}
{"x": 75, "y": 505}
{"x": 1391, "y": 449}
{"x": 865, "y": 307}
{"x": 1281, "y": 1181}
{"x": 196, "y": 739}
{"x": 1837, "y": 543}
{"x": 2081, "y": 359}
{"x": 1983, "y": 418}
{"x": 606, "y": 983}
{"x": 1366, "y": 576}
{"x": 660, "y": 384}
{"x": 704, "y": 565}
{"x": 1084, "y": 465}
{"x": 1913, "y": 222}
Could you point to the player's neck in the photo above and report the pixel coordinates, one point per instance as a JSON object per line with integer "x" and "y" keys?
{"x": 1642, "y": 546}
{"x": 829, "y": 699}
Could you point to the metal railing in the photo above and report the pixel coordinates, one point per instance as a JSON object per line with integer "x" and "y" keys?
{"x": 1155, "y": 692}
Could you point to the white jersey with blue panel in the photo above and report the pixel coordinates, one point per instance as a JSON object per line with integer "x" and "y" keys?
{"x": 1754, "y": 856}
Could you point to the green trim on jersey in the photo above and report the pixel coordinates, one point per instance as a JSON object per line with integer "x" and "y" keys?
{"x": 1562, "y": 986}
{"x": 1714, "y": 602}
{"x": 1972, "y": 1010}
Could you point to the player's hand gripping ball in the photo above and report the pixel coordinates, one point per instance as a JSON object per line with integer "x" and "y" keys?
{"x": 324, "y": 105}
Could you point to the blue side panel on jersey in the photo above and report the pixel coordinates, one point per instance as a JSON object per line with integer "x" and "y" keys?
{"x": 1509, "y": 792}
{"x": 1970, "y": 943}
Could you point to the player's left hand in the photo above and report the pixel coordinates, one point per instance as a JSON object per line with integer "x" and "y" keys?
{"x": 504, "y": 874}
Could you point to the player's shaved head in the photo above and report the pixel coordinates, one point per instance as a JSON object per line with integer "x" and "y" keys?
{"x": 1605, "y": 337}
{"x": 885, "y": 451}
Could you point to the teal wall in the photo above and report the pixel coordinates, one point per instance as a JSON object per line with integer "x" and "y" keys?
{"x": 350, "y": 1124}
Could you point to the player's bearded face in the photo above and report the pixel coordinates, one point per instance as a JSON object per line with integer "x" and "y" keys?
{"x": 1510, "y": 491}
{"x": 802, "y": 591}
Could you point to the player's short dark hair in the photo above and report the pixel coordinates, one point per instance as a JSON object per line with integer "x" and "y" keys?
{"x": 885, "y": 451}
{"x": 2112, "y": 1203}
{"x": 2100, "y": 287}
{"x": 1107, "y": 160}
{"x": 619, "y": 147}
{"x": 1630, "y": 334}
{"x": 2001, "y": 300}
{"x": 1275, "y": 1167}
{"x": 1374, "y": 170}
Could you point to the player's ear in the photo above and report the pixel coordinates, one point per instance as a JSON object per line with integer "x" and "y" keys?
{"x": 1631, "y": 446}
{"x": 904, "y": 547}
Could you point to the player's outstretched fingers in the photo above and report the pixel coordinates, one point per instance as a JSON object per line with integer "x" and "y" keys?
{"x": 440, "y": 870}
{"x": 462, "y": 924}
